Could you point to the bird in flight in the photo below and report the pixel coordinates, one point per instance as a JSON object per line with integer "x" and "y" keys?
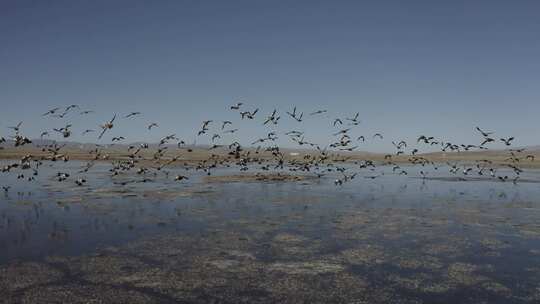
{"x": 487, "y": 140}
{"x": 485, "y": 134}
{"x": 68, "y": 108}
{"x": 425, "y": 139}
{"x": 354, "y": 120}
{"x": 342, "y": 131}
{"x": 132, "y": 114}
{"x": 296, "y": 116}
{"x": 226, "y": 122}
{"x": 379, "y": 135}
{"x": 17, "y": 127}
{"x": 51, "y": 111}
{"x": 107, "y": 126}
{"x": 236, "y": 106}
{"x": 400, "y": 144}
{"x": 65, "y": 131}
{"x": 272, "y": 118}
{"x": 318, "y": 112}
{"x": 507, "y": 141}
{"x": 248, "y": 114}
{"x": 230, "y": 131}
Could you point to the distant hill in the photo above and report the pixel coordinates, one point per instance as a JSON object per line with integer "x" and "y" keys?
{"x": 533, "y": 148}
{"x": 71, "y": 145}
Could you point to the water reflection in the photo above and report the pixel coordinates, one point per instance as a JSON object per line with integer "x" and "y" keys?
{"x": 437, "y": 234}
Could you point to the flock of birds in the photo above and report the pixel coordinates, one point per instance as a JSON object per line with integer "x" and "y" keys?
{"x": 263, "y": 154}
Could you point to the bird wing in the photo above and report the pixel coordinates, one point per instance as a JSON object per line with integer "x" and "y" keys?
{"x": 102, "y": 132}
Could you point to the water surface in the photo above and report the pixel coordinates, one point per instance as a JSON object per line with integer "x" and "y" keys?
{"x": 401, "y": 239}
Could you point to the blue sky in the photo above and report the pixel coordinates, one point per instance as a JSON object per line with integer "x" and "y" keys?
{"x": 438, "y": 68}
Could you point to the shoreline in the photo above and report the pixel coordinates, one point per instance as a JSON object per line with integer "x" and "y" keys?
{"x": 497, "y": 158}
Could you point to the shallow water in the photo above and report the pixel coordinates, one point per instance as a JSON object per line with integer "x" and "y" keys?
{"x": 392, "y": 239}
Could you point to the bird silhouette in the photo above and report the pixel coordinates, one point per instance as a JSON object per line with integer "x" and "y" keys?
{"x": 132, "y": 114}
{"x": 485, "y": 134}
{"x": 507, "y": 141}
{"x": 107, "y": 126}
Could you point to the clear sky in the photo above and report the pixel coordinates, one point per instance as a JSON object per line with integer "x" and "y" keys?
{"x": 409, "y": 67}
